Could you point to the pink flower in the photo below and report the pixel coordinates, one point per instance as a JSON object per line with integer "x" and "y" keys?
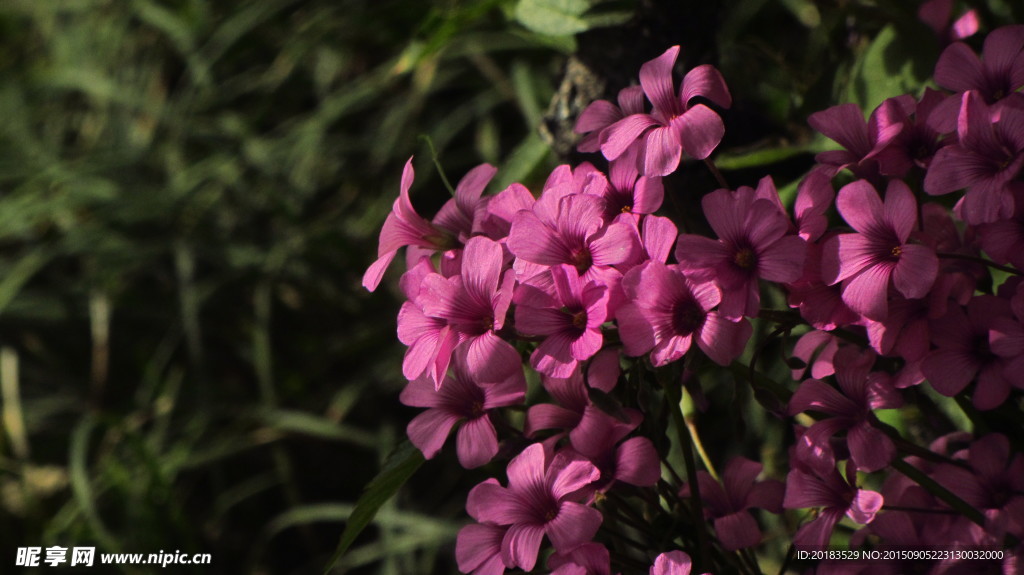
{"x": 602, "y": 113}
{"x": 988, "y": 156}
{"x": 673, "y": 126}
{"x": 460, "y": 399}
{"x": 728, "y": 502}
{"x": 937, "y": 14}
{"x": 752, "y": 244}
{"x": 452, "y": 225}
{"x": 851, "y": 408}
{"x": 569, "y": 319}
{"x": 836, "y": 497}
{"x": 473, "y": 305}
{"x": 587, "y": 559}
{"x": 575, "y": 235}
{"x": 478, "y": 548}
{"x": 996, "y": 76}
{"x": 672, "y": 563}
{"x": 538, "y": 501}
{"x": 599, "y": 438}
{"x": 667, "y": 312}
{"x": 879, "y": 252}
{"x": 963, "y": 353}
{"x": 862, "y": 141}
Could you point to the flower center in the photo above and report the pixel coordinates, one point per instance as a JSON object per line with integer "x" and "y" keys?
{"x": 896, "y": 251}
{"x": 687, "y": 317}
{"x": 488, "y": 323}
{"x": 579, "y": 319}
{"x": 745, "y": 258}
{"x": 582, "y": 260}
{"x": 477, "y": 409}
{"x": 627, "y": 209}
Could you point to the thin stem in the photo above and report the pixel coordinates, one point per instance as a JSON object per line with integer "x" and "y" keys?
{"x": 980, "y": 260}
{"x": 700, "y": 449}
{"x": 437, "y": 163}
{"x": 686, "y": 443}
{"x": 936, "y": 489}
{"x": 789, "y": 558}
{"x": 716, "y": 173}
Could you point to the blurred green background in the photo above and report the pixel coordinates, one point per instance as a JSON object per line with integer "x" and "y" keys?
{"x": 190, "y": 191}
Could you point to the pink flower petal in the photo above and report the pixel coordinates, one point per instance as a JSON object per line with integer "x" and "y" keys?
{"x": 521, "y": 545}
{"x": 574, "y": 525}
{"x": 737, "y": 531}
{"x": 700, "y": 129}
{"x": 656, "y": 79}
{"x": 429, "y": 430}
{"x": 476, "y": 442}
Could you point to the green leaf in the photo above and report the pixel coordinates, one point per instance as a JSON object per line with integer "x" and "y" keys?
{"x": 553, "y": 17}
{"x": 756, "y": 158}
{"x": 893, "y": 64}
{"x": 527, "y": 155}
{"x": 399, "y": 467}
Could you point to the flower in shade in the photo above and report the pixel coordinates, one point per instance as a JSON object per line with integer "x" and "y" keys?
{"x": 988, "y": 155}
{"x": 541, "y": 499}
{"x": 752, "y": 244}
{"x": 963, "y": 353}
{"x": 851, "y": 408}
{"x": 569, "y": 320}
{"x": 599, "y": 438}
{"x": 880, "y": 252}
{"x": 937, "y": 15}
{"x": 862, "y": 140}
{"x": 674, "y": 125}
{"x": 995, "y": 76}
{"x": 460, "y": 399}
{"x": 667, "y": 312}
{"x": 835, "y": 496}
{"x": 727, "y": 502}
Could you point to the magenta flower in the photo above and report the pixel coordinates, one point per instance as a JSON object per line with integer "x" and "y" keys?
{"x": 667, "y": 312}
{"x": 569, "y": 319}
{"x": 571, "y": 397}
{"x": 963, "y": 352}
{"x": 474, "y": 305}
{"x": 921, "y": 137}
{"x": 834, "y": 495}
{"x": 602, "y": 113}
{"x": 1003, "y": 239}
{"x": 672, "y": 563}
{"x": 628, "y": 192}
{"x": 879, "y": 253}
{"x": 460, "y": 399}
{"x": 673, "y": 126}
{"x": 575, "y": 235}
{"x": 728, "y": 502}
{"x": 452, "y": 225}
{"x": 752, "y": 244}
{"x": 851, "y": 408}
{"x": 996, "y": 76}
{"x": 587, "y": 559}
{"x": 478, "y": 548}
{"x": 599, "y": 438}
{"x": 988, "y": 156}
{"x": 538, "y": 501}
{"x": 862, "y": 141}
{"x": 496, "y": 221}
{"x": 820, "y": 304}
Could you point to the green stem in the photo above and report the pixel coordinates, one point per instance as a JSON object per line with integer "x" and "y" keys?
{"x": 674, "y": 397}
{"x": 936, "y": 489}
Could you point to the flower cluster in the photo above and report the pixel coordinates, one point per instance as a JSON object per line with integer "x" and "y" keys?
{"x": 615, "y": 311}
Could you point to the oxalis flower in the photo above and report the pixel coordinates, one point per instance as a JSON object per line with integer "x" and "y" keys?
{"x": 752, "y": 244}
{"x": 667, "y": 313}
{"x": 834, "y": 495}
{"x": 465, "y": 400}
{"x": 540, "y": 500}
{"x": 673, "y": 126}
{"x": 879, "y": 253}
